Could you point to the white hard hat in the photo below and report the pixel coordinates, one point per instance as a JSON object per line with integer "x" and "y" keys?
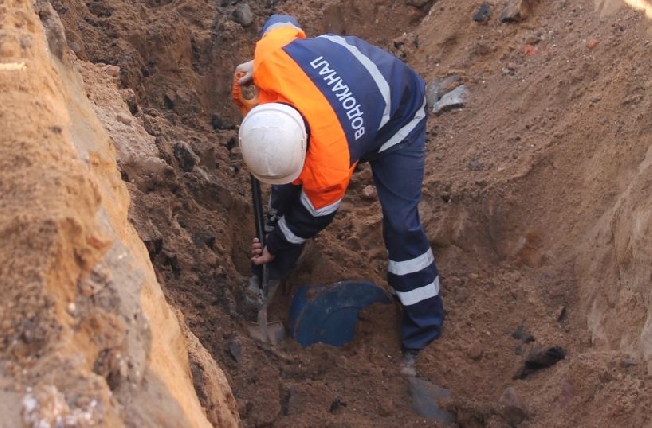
{"x": 273, "y": 143}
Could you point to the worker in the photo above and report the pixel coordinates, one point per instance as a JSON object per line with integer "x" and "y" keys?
{"x": 325, "y": 105}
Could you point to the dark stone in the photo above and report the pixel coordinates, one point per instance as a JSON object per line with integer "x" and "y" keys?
{"x": 417, "y": 3}
{"x": 542, "y": 360}
{"x": 210, "y": 241}
{"x": 426, "y": 398}
{"x": 172, "y": 261}
{"x": 185, "y": 156}
{"x": 235, "y": 351}
{"x": 154, "y": 246}
{"x": 291, "y": 402}
{"x": 132, "y": 103}
{"x": 243, "y": 15}
{"x": 336, "y": 406}
{"x": 454, "y": 99}
{"x": 521, "y": 334}
{"x": 204, "y": 238}
{"x": 168, "y": 102}
{"x": 483, "y": 13}
{"x": 539, "y": 360}
{"x": 231, "y": 143}
{"x": 220, "y": 124}
{"x": 562, "y": 315}
{"x": 515, "y": 11}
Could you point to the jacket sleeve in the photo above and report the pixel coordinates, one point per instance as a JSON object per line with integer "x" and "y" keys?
{"x": 311, "y": 212}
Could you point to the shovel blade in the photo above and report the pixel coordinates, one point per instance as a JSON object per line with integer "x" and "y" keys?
{"x": 272, "y": 333}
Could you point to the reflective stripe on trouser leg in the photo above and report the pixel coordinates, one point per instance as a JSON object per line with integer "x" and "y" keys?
{"x": 412, "y": 272}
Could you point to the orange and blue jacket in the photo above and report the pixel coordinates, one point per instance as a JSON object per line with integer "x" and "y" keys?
{"x": 357, "y": 101}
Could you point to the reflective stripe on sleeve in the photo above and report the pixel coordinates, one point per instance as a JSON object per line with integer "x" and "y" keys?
{"x": 327, "y": 210}
{"x": 287, "y": 233}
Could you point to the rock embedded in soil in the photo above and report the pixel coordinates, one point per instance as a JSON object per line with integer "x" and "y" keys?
{"x": 483, "y": 13}
{"x": 154, "y": 246}
{"x": 532, "y": 39}
{"x": 124, "y": 118}
{"x": 417, "y": 3}
{"x": 369, "y": 192}
{"x": 511, "y": 407}
{"x": 235, "y": 351}
{"x": 628, "y": 362}
{"x": 454, "y": 99}
{"x": 592, "y": 43}
{"x": 426, "y": 398}
{"x": 185, "y": 156}
{"x": 220, "y": 124}
{"x": 438, "y": 88}
{"x": 539, "y": 360}
{"x": 476, "y": 352}
{"x": 336, "y": 406}
{"x": 243, "y": 14}
{"x": 112, "y": 70}
{"x": 515, "y": 11}
{"x": 386, "y": 407}
{"x": 521, "y": 334}
{"x": 292, "y": 402}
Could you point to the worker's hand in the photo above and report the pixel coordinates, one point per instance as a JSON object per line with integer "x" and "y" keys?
{"x": 248, "y": 69}
{"x": 259, "y": 255}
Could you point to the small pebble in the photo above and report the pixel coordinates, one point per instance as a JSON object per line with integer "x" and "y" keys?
{"x": 386, "y": 407}
{"x": 369, "y": 192}
{"x": 592, "y": 43}
{"x": 124, "y": 118}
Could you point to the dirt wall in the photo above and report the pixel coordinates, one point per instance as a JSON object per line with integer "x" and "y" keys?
{"x": 88, "y": 338}
{"x": 615, "y": 269}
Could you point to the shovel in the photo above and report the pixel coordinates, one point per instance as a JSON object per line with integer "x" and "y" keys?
{"x": 272, "y": 333}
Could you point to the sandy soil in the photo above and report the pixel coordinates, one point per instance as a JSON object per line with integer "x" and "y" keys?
{"x": 535, "y": 203}
{"x": 88, "y": 338}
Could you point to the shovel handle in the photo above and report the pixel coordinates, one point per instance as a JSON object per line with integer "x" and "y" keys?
{"x": 245, "y": 105}
{"x": 256, "y": 199}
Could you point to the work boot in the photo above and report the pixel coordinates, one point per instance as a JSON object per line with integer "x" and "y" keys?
{"x": 409, "y": 363}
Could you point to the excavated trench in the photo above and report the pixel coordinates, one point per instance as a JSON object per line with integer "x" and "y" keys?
{"x": 511, "y": 200}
